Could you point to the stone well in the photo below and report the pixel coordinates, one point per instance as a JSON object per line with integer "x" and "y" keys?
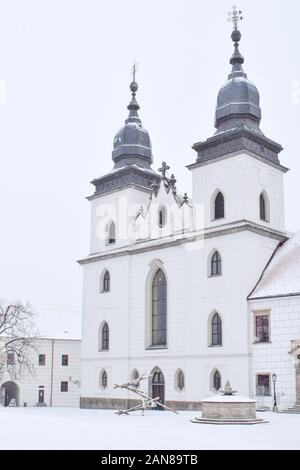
{"x": 228, "y": 409}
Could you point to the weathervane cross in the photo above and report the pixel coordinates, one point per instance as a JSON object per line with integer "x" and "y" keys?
{"x": 164, "y": 168}
{"x": 235, "y": 16}
{"x": 134, "y": 69}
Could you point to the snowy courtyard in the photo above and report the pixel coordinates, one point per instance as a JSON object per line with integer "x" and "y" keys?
{"x": 72, "y": 428}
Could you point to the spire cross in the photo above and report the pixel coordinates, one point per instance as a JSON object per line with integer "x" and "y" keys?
{"x": 134, "y": 69}
{"x": 164, "y": 168}
{"x": 235, "y": 16}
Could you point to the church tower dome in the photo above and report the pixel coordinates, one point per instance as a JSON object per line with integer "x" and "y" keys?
{"x": 132, "y": 154}
{"x": 238, "y": 114}
{"x": 238, "y": 99}
{"x": 132, "y": 143}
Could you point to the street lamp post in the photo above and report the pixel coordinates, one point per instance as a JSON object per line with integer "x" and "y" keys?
{"x": 274, "y": 378}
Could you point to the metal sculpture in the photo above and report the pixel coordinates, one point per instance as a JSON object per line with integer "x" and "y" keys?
{"x": 147, "y": 402}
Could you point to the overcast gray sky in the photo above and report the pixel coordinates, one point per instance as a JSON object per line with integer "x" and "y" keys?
{"x": 66, "y": 68}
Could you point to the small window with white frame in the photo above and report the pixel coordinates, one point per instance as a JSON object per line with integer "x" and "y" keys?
{"x": 262, "y": 326}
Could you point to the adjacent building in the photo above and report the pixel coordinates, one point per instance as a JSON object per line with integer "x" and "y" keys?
{"x": 55, "y": 377}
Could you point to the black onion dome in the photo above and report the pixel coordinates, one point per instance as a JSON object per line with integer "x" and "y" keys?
{"x": 132, "y": 143}
{"x": 238, "y": 99}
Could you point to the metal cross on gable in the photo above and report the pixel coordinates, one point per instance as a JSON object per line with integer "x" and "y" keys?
{"x": 164, "y": 168}
{"x": 235, "y": 16}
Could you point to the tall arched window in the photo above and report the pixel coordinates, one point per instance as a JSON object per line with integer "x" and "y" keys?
{"x": 179, "y": 380}
{"x": 216, "y": 264}
{"x": 216, "y": 330}
{"x": 111, "y": 233}
{"x": 106, "y": 282}
{"x": 217, "y": 381}
{"x": 219, "y": 209}
{"x": 103, "y": 379}
{"x": 159, "y": 309}
{"x": 105, "y": 337}
{"x": 264, "y": 207}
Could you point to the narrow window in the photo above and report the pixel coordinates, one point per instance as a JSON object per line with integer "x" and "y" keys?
{"x": 104, "y": 379}
{"x": 216, "y": 265}
{"x": 105, "y": 338}
{"x": 262, "y": 328}
{"x": 65, "y": 360}
{"x": 216, "y": 330}
{"x": 159, "y": 309}
{"x": 42, "y": 359}
{"x": 134, "y": 375}
{"x": 180, "y": 380}
{"x": 111, "y": 233}
{"x": 219, "y": 207}
{"x": 263, "y": 385}
{"x": 217, "y": 381}
{"x": 106, "y": 282}
{"x": 64, "y": 386}
{"x": 162, "y": 217}
{"x": 263, "y": 208}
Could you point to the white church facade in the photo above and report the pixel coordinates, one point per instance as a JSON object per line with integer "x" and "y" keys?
{"x": 182, "y": 288}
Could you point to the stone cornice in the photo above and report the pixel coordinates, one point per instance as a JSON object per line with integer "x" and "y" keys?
{"x": 234, "y": 154}
{"x": 189, "y": 237}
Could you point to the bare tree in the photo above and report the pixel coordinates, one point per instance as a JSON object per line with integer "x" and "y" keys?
{"x": 17, "y": 338}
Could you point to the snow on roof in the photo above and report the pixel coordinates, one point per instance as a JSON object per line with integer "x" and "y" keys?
{"x": 56, "y": 324}
{"x": 282, "y": 275}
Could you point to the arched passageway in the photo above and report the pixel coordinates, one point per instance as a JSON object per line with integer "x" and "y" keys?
{"x": 9, "y": 393}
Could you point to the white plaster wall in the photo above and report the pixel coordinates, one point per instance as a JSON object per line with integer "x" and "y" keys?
{"x": 241, "y": 178}
{"x": 192, "y": 297}
{"x": 274, "y": 357}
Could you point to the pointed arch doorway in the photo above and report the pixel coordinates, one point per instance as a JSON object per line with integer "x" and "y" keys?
{"x": 158, "y": 385}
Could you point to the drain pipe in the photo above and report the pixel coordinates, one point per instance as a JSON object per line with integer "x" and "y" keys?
{"x": 52, "y": 366}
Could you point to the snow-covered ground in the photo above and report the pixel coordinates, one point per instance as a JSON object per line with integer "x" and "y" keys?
{"x": 69, "y": 428}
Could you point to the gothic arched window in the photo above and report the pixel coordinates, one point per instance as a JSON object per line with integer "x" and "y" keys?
{"x": 216, "y": 330}
{"x": 159, "y": 309}
{"x": 111, "y": 233}
{"x": 217, "y": 381}
{"x": 103, "y": 380}
{"x": 180, "y": 380}
{"x": 106, "y": 282}
{"x": 264, "y": 207}
{"x": 216, "y": 264}
{"x": 105, "y": 337}
{"x": 219, "y": 209}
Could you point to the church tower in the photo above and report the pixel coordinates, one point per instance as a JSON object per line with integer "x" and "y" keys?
{"x": 127, "y": 186}
{"x": 238, "y": 184}
{"x": 239, "y": 164}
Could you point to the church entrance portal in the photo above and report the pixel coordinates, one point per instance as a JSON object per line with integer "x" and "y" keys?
{"x": 158, "y": 386}
{"x": 9, "y": 394}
